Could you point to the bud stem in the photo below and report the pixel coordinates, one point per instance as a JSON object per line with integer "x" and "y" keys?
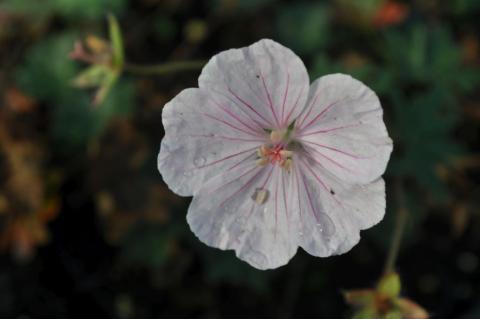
{"x": 400, "y": 222}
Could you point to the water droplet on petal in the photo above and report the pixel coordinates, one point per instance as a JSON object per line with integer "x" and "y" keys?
{"x": 226, "y": 207}
{"x": 300, "y": 234}
{"x": 187, "y": 173}
{"x": 325, "y": 225}
{"x": 260, "y": 195}
{"x": 199, "y": 161}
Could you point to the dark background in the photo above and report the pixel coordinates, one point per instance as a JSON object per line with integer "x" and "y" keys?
{"x": 88, "y": 228}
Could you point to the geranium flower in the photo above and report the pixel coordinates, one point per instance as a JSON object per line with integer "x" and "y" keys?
{"x": 272, "y": 162}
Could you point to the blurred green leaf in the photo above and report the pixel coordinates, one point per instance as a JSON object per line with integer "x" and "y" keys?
{"x": 47, "y": 70}
{"x": 91, "y": 9}
{"x": 304, "y": 27}
{"x": 225, "y": 267}
{"x": 75, "y": 121}
{"x": 427, "y": 56}
{"x": 465, "y": 7}
{"x": 147, "y": 245}
{"x": 116, "y": 41}
{"x": 46, "y": 75}
{"x": 378, "y": 79}
{"x": 423, "y": 132}
{"x": 241, "y": 6}
{"x": 164, "y": 28}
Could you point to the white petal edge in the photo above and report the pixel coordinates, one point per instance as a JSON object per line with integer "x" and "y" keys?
{"x": 266, "y": 80}
{"x": 264, "y": 235}
{"x": 334, "y": 212}
{"x": 203, "y": 137}
{"x": 342, "y": 127}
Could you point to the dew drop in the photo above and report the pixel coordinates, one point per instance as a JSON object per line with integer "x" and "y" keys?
{"x": 300, "y": 234}
{"x": 187, "y": 173}
{"x": 325, "y": 225}
{"x": 199, "y": 161}
{"x": 260, "y": 195}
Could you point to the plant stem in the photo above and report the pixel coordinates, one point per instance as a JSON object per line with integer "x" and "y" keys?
{"x": 164, "y": 68}
{"x": 400, "y": 222}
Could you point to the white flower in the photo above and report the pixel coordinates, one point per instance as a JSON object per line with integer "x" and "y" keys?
{"x": 272, "y": 162}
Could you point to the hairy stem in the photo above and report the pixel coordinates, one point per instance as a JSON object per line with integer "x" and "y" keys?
{"x": 400, "y": 222}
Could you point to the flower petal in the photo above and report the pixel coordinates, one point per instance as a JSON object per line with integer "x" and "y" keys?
{"x": 203, "y": 138}
{"x": 266, "y": 80}
{"x": 343, "y": 128}
{"x": 225, "y": 214}
{"x": 332, "y": 212}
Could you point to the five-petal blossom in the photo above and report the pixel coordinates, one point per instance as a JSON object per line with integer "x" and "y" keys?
{"x": 272, "y": 162}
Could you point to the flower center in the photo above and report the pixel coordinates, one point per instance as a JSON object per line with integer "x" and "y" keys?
{"x": 275, "y": 152}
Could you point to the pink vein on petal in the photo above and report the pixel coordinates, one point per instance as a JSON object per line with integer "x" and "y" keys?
{"x": 309, "y": 110}
{"x": 310, "y": 199}
{"x": 241, "y": 161}
{"x": 276, "y": 210}
{"x": 225, "y": 158}
{"x": 298, "y": 196}
{"x": 235, "y": 179}
{"x": 241, "y": 108}
{"x": 320, "y": 181}
{"x": 237, "y": 118}
{"x": 285, "y": 95}
{"x": 285, "y": 203}
{"x": 230, "y": 125}
{"x": 320, "y": 114}
{"x": 335, "y": 150}
{"x": 328, "y": 159}
{"x": 327, "y": 130}
{"x": 269, "y": 99}
{"x": 253, "y": 203}
{"x": 249, "y": 106}
{"x": 293, "y": 107}
{"x": 248, "y": 183}
{"x": 316, "y": 177}
{"x": 229, "y": 138}
{"x": 268, "y": 177}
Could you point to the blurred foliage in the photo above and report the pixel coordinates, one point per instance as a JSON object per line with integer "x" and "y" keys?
{"x": 47, "y": 74}
{"x": 85, "y": 9}
{"x": 303, "y": 27}
{"x": 82, "y": 205}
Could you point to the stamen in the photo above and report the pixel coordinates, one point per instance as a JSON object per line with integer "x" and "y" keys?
{"x": 287, "y": 164}
{"x": 262, "y": 161}
{"x": 286, "y": 153}
{"x": 277, "y": 136}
